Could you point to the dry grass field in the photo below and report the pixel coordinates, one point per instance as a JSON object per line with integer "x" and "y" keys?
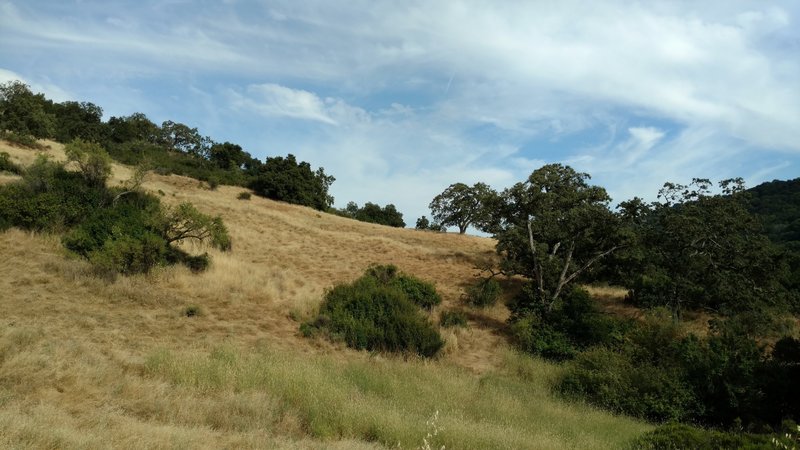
{"x": 86, "y": 363}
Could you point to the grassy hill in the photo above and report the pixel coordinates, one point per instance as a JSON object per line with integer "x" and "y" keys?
{"x": 85, "y": 363}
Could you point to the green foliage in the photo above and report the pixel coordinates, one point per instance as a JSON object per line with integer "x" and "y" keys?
{"x": 192, "y": 311}
{"x": 78, "y": 120}
{"x": 374, "y": 314}
{"x": 726, "y": 379}
{"x": 572, "y": 324}
{"x": 373, "y": 213}
{"x": 453, "y": 318}
{"x": 23, "y": 112}
{"x": 21, "y": 140}
{"x": 243, "y": 196}
{"x": 678, "y": 437}
{"x": 552, "y": 229}
{"x": 461, "y": 206}
{"x": 424, "y": 224}
{"x": 6, "y": 165}
{"x": 484, "y": 293}
{"x": 118, "y": 233}
{"x": 420, "y": 292}
{"x": 286, "y": 180}
{"x": 92, "y": 160}
{"x": 777, "y": 204}
{"x": 48, "y": 198}
{"x": 701, "y": 251}
{"x": 185, "y": 222}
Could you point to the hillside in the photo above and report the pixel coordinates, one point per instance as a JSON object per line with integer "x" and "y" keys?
{"x": 85, "y": 363}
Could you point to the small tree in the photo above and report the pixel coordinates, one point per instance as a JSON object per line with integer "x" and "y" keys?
{"x": 461, "y": 205}
{"x": 93, "y": 162}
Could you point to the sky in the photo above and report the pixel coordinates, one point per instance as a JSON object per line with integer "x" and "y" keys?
{"x": 398, "y": 100}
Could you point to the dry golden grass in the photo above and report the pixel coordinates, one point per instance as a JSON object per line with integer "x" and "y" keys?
{"x": 73, "y": 348}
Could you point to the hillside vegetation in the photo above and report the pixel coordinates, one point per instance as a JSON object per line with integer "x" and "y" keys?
{"x": 173, "y": 359}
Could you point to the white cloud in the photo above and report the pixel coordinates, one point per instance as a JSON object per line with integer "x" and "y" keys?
{"x": 398, "y": 100}
{"x": 273, "y": 100}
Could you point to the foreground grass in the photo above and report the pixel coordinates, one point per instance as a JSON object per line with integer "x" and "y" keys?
{"x": 390, "y": 401}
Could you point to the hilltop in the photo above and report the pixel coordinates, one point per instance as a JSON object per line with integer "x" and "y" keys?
{"x": 87, "y": 363}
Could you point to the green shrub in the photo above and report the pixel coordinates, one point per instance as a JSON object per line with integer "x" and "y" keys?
{"x": 127, "y": 254}
{"x": 573, "y": 324}
{"x": 484, "y": 293}
{"x": 48, "y": 197}
{"x": 534, "y": 336}
{"x": 197, "y": 263}
{"x": 678, "y": 437}
{"x": 453, "y": 318}
{"x": 373, "y": 315}
{"x": 7, "y": 165}
{"x": 422, "y": 293}
{"x": 192, "y": 311}
{"x": 243, "y": 195}
{"x": 613, "y": 381}
{"x": 21, "y": 140}
{"x": 213, "y": 182}
{"x": 92, "y": 160}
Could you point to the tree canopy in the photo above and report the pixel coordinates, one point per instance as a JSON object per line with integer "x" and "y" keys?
{"x": 554, "y": 227}
{"x": 461, "y": 205}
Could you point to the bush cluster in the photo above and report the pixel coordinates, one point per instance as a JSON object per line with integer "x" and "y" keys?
{"x": 572, "y": 324}
{"x": 118, "y": 231}
{"x": 659, "y": 374}
{"x": 484, "y": 293}
{"x": 376, "y": 313}
{"x": 6, "y": 165}
{"x": 677, "y": 436}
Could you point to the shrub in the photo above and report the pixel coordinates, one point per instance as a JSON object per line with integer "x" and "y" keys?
{"x": 573, "y": 324}
{"x": 22, "y": 140}
{"x": 534, "y": 336}
{"x": 134, "y": 235}
{"x": 677, "y": 436}
{"x": 243, "y": 196}
{"x": 92, "y": 160}
{"x": 192, "y": 311}
{"x": 484, "y": 293}
{"x": 48, "y": 198}
{"x": 373, "y": 315}
{"x": 213, "y": 183}
{"x": 422, "y": 293}
{"x": 613, "y": 381}
{"x": 453, "y": 318}
{"x": 7, "y": 165}
{"x": 197, "y": 263}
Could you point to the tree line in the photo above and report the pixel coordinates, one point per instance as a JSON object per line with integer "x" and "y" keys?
{"x": 699, "y": 248}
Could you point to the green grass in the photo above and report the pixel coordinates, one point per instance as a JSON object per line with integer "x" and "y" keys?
{"x": 388, "y": 401}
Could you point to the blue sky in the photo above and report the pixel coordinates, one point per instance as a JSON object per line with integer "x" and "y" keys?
{"x": 398, "y": 100}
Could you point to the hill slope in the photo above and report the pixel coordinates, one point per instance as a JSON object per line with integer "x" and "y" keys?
{"x": 90, "y": 364}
